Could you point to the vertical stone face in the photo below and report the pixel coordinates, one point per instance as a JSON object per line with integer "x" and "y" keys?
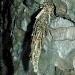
{"x": 58, "y": 51}
{"x": 0, "y": 49}
{"x": 0, "y": 42}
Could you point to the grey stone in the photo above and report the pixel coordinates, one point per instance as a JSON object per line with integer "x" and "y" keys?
{"x": 61, "y": 8}
{"x": 59, "y": 45}
{"x": 59, "y": 34}
{"x": 70, "y": 10}
{"x": 17, "y": 47}
{"x": 45, "y": 63}
{"x": 47, "y": 42}
{"x": 34, "y": 7}
{"x": 21, "y": 8}
{"x": 17, "y": 3}
{"x": 29, "y": 2}
{"x": 24, "y": 25}
{"x": 63, "y": 47}
{"x": 60, "y": 22}
{"x": 25, "y": 22}
{"x": 63, "y": 33}
{"x": 40, "y": 1}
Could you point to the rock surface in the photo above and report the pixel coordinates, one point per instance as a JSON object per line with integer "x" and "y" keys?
{"x": 58, "y": 52}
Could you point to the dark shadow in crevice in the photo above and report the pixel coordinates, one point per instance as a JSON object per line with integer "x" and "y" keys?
{"x": 7, "y": 58}
{"x": 7, "y": 37}
{"x": 54, "y": 9}
{"x": 0, "y": 69}
{"x": 24, "y": 2}
{"x": 26, "y": 46}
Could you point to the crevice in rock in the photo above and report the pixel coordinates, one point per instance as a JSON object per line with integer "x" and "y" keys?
{"x": 65, "y": 16}
{"x": 7, "y": 38}
{"x": 54, "y": 9}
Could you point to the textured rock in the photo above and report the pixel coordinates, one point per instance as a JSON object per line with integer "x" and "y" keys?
{"x": 60, "y": 22}
{"x": 63, "y": 33}
{"x": 70, "y": 33}
{"x": 46, "y": 64}
{"x": 61, "y": 8}
{"x": 24, "y": 25}
{"x": 17, "y": 3}
{"x": 47, "y": 42}
{"x": 29, "y": 2}
{"x": 58, "y": 52}
{"x": 17, "y": 47}
{"x": 25, "y": 22}
{"x": 21, "y": 8}
{"x": 40, "y": 1}
{"x": 63, "y": 47}
{"x": 59, "y": 34}
{"x": 70, "y": 10}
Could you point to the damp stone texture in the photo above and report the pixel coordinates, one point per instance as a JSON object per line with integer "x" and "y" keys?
{"x": 58, "y": 52}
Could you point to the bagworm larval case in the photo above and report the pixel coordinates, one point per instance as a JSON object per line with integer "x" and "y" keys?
{"x": 40, "y": 30}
